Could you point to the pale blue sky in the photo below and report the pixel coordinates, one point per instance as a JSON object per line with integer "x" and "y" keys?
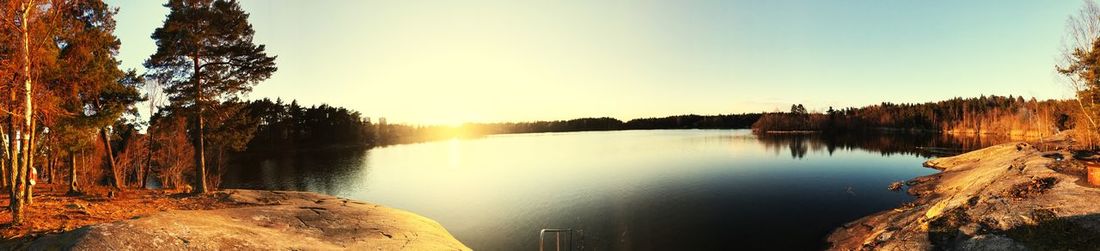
{"x": 481, "y": 61}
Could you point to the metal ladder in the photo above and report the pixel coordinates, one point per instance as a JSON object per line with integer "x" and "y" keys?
{"x": 558, "y": 232}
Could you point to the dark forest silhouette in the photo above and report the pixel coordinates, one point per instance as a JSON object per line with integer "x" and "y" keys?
{"x": 280, "y": 126}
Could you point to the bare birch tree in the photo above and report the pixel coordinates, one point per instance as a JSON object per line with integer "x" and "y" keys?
{"x": 1078, "y": 63}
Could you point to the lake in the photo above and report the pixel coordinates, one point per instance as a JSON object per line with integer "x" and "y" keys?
{"x": 622, "y": 190}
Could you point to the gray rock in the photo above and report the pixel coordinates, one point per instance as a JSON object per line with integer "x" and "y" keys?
{"x": 990, "y": 242}
{"x": 269, "y": 221}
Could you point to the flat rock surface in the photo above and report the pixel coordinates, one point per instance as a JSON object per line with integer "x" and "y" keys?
{"x": 272, "y": 220}
{"x": 1005, "y": 197}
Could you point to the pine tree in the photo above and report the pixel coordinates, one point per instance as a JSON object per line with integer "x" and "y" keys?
{"x": 205, "y": 55}
{"x": 96, "y": 92}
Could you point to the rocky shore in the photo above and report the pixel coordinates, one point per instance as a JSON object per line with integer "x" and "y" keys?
{"x": 265, "y": 220}
{"x": 1013, "y": 196}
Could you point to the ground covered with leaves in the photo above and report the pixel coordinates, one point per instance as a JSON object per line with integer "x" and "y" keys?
{"x": 55, "y": 210}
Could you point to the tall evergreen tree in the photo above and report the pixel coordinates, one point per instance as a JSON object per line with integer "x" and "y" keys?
{"x": 96, "y": 91}
{"x": 109, "y": 104}
{"x": 205, "y": 55}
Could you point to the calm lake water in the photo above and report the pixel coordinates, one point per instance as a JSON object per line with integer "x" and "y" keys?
{"x": 622, "y": 190}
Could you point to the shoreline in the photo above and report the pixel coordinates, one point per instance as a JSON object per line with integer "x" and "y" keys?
{"x": 1010, "y": 196}
{"x": 235, "y": 219}
{"x": 793, "y": 132}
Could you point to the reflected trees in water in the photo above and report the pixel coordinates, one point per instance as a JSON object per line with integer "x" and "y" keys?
{"x": 925, "y": 145}
{"x": 323, "y": 170}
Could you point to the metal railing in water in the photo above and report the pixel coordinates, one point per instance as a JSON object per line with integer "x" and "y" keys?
{"x": 557, "y": 238}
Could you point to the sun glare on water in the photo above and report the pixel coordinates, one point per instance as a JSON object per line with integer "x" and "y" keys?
{"x": 455, "y": 150}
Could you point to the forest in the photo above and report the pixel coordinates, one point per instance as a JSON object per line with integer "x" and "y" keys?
{"x": 387, "y": 134}
{"x": 281, "y": 127}
{"x": 981, "y": 115}
{"x": 1078, "y": 67}
{"x": 70, "y": 110}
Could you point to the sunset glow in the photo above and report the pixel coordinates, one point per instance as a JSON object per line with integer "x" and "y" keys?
{"x": 450, "y": 62}
{"x": 550, "y": 125}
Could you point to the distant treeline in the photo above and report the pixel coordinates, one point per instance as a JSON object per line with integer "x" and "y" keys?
{"x": 731, "y": 121}
{"x": 291, "y": 127}
{"x": 398, "y": 134}
{"x": 281, "y": 126}
{"x": 982, "y": 115}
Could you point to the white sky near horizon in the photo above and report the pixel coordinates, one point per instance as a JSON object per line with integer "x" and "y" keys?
{"x": 447, "y": 62}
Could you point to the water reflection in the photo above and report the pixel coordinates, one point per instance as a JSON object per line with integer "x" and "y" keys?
{"x": 328, "y": 171}
{"x": 924, "y": 145}
{"x": 455, "y": 153}
{"x": 664, "y": 189}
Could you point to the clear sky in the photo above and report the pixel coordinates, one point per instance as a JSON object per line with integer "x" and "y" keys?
{"x": 430, "y": 62}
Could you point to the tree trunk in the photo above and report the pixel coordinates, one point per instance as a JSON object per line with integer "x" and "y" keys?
{"x": 17, "y": 193}
{"x": 5, "y": 172}
{"x": 113, "y": 179}
{"x": 44, "y": 174}
{"x": 200, "y": 146}
{"x": 15, "y": 203}
{"x": 218, "y": 167}
{"x": 1092, "y": 123}
{"x": 49, "y": 167}
{"x": 148, "y": 157}
{"x": 29, "y": 162}
{"x": 72, "y": 173}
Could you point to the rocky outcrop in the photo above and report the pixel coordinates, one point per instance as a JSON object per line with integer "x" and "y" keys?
{"x": 1004, "y": 197}
{"x": 268, "y": 220}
